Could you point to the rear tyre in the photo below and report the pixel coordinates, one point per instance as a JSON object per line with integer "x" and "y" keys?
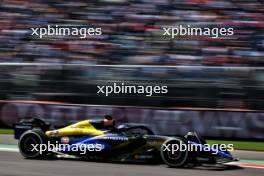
{"x": 173, "y": 154}
{"x": 29, "y": 144}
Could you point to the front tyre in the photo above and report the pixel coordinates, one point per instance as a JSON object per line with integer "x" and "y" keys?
{"x": 29, "y": 144}
{"x": 173, "y": 154}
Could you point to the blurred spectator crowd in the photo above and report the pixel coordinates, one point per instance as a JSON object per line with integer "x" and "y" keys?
{"x": 132, "y": 32}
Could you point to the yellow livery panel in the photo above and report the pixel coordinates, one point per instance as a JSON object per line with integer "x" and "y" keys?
{"x": 80, "y": 128}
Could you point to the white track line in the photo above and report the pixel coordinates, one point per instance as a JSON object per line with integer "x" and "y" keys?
{"x": 6, "y": 149}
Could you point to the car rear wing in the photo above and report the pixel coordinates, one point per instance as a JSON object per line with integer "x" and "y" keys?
{"x": 24, "y": 125}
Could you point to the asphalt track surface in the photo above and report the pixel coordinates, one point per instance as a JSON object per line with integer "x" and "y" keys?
{"x": 13, "y": 164}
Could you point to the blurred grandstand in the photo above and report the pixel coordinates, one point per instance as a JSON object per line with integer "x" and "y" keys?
{"x": 131, "y": 32}
{"x": 216, "y": 73}
{"x": 188, "y": 86}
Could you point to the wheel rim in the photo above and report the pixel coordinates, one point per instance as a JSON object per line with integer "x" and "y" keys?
{"x": 26, "y": 143}
{"x": 174, "y": 159}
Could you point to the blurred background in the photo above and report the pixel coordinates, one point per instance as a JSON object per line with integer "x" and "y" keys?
{"x": 188, "y": 87}
{"x": 224, "y": 74}
{"x": 132, "y": 32}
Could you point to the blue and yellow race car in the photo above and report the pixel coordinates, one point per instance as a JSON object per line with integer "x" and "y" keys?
{"x": 125, "y": 143}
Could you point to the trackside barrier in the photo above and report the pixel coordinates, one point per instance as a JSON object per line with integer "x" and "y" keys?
{"x": 211, "y": 123}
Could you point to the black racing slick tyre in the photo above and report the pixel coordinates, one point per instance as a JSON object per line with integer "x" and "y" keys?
{"x": 30, "y": 142}
{"x": 173, "y": 154}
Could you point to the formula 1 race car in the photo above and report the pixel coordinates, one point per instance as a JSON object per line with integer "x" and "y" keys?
{"x": 127, "y": 143}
